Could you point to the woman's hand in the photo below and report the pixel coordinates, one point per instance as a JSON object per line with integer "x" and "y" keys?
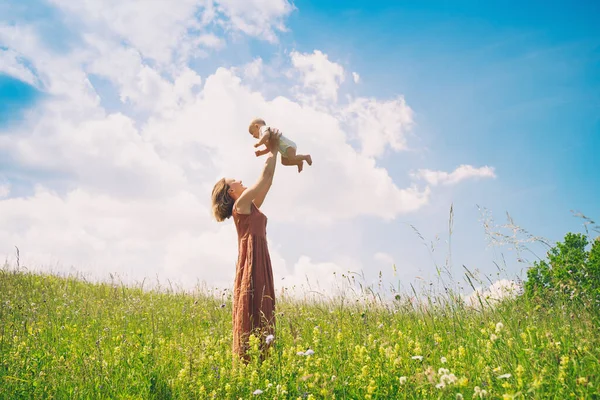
{"x": 274, "y": 140}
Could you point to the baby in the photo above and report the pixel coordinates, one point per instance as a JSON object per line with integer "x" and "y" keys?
{"x": 259, "y": 129}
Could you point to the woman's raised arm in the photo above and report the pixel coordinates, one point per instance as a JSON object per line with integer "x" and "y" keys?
{"x": 257, "y": 192}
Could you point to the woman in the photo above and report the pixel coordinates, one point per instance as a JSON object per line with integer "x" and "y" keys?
{"x": 254, "y": 291}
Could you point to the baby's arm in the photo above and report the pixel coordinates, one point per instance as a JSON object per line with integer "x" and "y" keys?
{"x": 262, "y": 152}
{"x": 269, "y": 133}
{"x": 264, "y": 139}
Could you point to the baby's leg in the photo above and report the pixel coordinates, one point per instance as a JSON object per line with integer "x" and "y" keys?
{"x": 286, "y": 161}
{"x": 294, "y": 158}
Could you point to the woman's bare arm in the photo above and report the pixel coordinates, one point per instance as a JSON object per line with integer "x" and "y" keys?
{"x": 257, "y": 192}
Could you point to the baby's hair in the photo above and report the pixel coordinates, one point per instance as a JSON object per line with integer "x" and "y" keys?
{"x": 222, "y": 202}
{"x": 256, "y": 121}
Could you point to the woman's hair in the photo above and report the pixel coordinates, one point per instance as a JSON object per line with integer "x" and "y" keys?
{"x": 222, "y": 202}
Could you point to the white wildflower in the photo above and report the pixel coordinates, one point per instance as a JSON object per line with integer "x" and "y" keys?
{"x": 446, "y": 378}
{"x": 478, "y": 392}
{"x": 440, "y": 385}
{"x": 270, "y": 338}
{"x": 300, "y": 353}
{"x": 417, "y": 358}
{"x": 504, "y": 376}
{"x": 459, "y": 396}
{"x": 403, "y": 380}
{"x": 257, "y": 392}
{"x": 444, "y": 360}
{"x": 493, "y": 337}
{"x": 309, "y": 352}
{"x": 451, "y": 378}
{"x": 499, "y": 327}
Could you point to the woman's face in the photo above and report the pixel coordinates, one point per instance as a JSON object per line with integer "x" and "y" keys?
{"x": 235, "y": 187}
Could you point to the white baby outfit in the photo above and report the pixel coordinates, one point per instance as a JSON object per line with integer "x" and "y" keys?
{"x": 284, "y": 142}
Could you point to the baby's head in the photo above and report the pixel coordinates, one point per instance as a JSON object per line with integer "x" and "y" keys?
{"x": 255, "y": 126}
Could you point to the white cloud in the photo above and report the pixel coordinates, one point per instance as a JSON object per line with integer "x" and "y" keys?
{"x": 139, "y": 84}
{"x": 383, "y": 258}
{"x": 371, "y": 188}
{"x": 461, "y": 173}
{"x": 164, "y": 30}
{"x": 319, "y": 75}
{"x": 260, "y": 18}
{"x": 133, "y": 198}
{"x": 322, "y": 278}
{"x": 4, "y": 190}
{"x": 59, "y": 76}
{"x": 356, "y": 77}
{"x": 498, "y": 291}
{"x": 156, "y": 28}
{"x": 211, "y": 40}
{"x": 253, "y": 69}
{"x": 378, "y": 124}
{"x": 11, "y": 65}
{"x": 99, "y": 233}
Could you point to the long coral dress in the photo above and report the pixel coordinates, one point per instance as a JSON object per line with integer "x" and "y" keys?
{"x": 254, "y": 291}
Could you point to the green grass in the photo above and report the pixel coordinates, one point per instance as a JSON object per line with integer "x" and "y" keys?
{"x": 64, "y": 338}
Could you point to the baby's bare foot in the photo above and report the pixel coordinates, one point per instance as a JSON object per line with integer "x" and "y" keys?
{"x": 300, "y": 166}
{"x": 309, "y": 159}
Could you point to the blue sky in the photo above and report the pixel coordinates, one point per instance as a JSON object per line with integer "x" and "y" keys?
{"x": 16, "y": 97}
{"x": 511, "y": 84}
{"x": 508, "y": 85}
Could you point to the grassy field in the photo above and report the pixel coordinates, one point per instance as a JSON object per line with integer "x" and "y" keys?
{"x": 64, "y": 338}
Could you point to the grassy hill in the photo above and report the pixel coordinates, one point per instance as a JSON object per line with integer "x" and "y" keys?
{"x": 64, "y": 338}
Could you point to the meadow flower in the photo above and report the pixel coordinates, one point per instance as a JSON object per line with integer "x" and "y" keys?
{"x": 420, "y": 358}
{"x": 459, "y": 396}
{"x": 446, "y": 378}
{"x": 443, "y": 360}
{"x": 499, "y": 327}
{"x": 403, "y": 380}
{"x": 300, "y": 353}
{"x": 269, "y": 339}
{"x": 309, "y": 352}
{"x": 493, "y": 337}
{"x": 478, "y": 392}
{"x": 504, "y": 376}
{"x": 257, "y": 392}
